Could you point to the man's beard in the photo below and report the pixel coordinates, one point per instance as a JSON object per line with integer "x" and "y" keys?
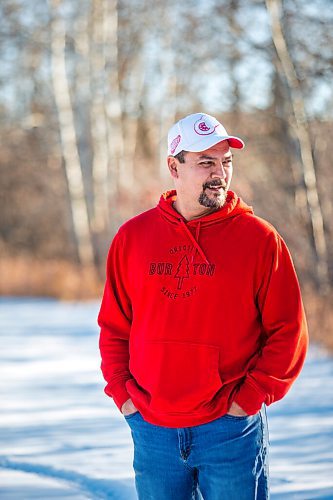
{"x": 216, "y": 200}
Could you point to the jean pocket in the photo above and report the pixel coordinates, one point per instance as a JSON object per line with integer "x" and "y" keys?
{"x": 239, "y": 417}
{"x": 242, "y": 418}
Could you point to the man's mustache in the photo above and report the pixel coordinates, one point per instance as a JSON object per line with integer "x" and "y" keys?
{"x": 214, "y": 183}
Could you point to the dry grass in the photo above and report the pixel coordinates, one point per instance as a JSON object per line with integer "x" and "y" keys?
{"x": 25, "y": 276}
{"x": 319, "y": 313}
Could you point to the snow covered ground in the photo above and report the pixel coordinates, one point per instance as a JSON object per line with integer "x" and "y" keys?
{"x": 62, "y": 438}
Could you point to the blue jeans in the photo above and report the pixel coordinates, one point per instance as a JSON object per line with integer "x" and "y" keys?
{"x": 222, "y": 459}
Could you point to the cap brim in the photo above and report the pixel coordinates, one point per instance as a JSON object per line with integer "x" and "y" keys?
{"x": 236, "y": 142}
{"x": 207, "y": 142}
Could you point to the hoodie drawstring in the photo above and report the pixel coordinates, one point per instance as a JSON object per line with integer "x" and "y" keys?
{"x": 195, "y": 240}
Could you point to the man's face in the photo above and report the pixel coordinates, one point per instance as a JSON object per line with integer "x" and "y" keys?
{"x": 205, "y": 177}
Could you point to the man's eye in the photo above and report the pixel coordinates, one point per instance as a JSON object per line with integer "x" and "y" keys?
{"x": 206, "y": 163}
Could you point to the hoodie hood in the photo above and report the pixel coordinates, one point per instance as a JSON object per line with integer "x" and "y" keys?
{"x": 233, "y": 206}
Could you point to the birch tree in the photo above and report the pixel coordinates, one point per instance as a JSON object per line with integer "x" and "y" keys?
{"x": 168, "y": 76}
{"x": 68, "y": 136}
{"x": 99, "y": 125}
{"x": 118, "y": 175}
{"x": 299, "y": 124}
{"x": 133, "y": 104}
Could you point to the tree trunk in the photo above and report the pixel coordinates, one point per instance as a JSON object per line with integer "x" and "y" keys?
{"x": 168, "y": 109}
{"x": 233, "y": 56}
{"x": 99, "y": 126}
{"x": 68, "y": 137}
{"x": 133, "y": 107}
{"x": 299, "y": 124}
{"x": 120, "y": 176}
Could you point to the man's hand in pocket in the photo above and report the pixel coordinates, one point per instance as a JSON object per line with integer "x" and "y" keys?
{"x": 128, "y": 407}
{"x": 236, "y": 410}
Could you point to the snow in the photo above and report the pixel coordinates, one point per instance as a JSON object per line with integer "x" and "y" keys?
{"x": 62, "y": 438}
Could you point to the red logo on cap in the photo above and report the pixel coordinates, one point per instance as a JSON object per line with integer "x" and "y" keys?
{"x": 174, "y": 144}
{"x": 201, "y": 128}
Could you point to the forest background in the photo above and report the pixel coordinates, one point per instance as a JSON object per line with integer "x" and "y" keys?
{"x": 88, "y": 90}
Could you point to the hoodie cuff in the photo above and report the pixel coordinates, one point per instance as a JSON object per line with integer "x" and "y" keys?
{"x": 118, "y": 393}
{"x": 249, "y": 398}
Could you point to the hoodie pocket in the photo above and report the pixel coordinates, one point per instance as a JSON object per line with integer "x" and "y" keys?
{"x": 179, "y": 376}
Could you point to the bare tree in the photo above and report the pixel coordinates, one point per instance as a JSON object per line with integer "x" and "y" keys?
{"x": 99, "y": 125}
{"x": 114, "y": 112}
{"x": 299, "y": 123}
{"x": 132, "y": 103}
{"x": 168, "y": 68}
{"x": 68, "y": 136}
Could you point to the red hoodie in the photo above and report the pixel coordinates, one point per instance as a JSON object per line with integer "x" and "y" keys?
{"x": 198, "y": 314}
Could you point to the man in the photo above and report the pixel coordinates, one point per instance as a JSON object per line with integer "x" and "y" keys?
{"x": 202, "y": 325}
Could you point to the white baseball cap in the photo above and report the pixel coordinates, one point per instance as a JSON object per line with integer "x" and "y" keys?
{"x": 199, "y": 132}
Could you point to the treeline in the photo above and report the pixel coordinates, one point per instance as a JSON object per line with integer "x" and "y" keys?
{"x": 89, "y": 89}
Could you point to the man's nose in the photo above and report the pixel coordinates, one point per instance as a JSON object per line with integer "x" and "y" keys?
{"x": 219, "y": 171}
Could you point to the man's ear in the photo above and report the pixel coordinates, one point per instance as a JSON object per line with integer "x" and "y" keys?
{"x": 173, "y": 167}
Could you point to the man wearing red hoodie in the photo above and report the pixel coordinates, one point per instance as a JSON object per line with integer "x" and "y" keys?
{"x": 202, "y": 326}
